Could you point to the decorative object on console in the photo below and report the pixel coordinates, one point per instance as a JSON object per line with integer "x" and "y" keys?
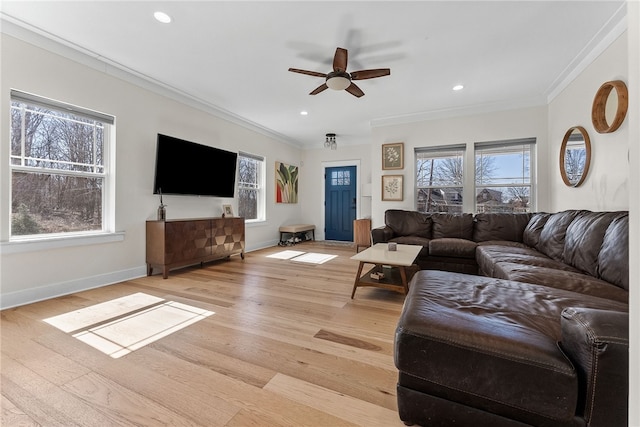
{"x": 610, "y": 106}
{"x": 575, "y": 156}
{"x": 286, "y": 183}
{"x": 162, "y": 211}
{"x": 393, "y": 156}
{"x": 227, "y": 211}
{"x": 392, "y": 188}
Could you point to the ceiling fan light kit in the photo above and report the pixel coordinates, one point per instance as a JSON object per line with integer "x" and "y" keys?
{"x": 339, "y": 79}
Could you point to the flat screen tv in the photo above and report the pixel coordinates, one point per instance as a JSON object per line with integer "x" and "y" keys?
{"x": 188, "y": 168}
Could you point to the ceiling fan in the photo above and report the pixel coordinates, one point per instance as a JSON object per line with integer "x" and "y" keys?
{"x": 339, "y": 79}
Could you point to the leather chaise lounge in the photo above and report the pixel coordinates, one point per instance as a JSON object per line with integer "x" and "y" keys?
{"x": 530, "y": 328}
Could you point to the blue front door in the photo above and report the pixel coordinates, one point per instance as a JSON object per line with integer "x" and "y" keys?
{"x": 340, "y": 203}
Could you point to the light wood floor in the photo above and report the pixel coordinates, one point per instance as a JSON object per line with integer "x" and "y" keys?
{"x": 286, "y": 346}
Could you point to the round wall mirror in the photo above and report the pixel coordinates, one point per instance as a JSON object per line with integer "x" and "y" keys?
{"x": 575, "y": 156}
{"x": 610, "y": 106}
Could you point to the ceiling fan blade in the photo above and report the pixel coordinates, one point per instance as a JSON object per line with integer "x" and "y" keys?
{"x": 340, "y": 60}
{"x": 309, "y": 73}
{"x": 319, "y": 89}
{"x": 355, "y": 90}
{"x": 370, "y": 74}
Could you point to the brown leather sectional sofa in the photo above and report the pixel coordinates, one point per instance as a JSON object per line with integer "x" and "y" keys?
{"x": 515, "y": 319}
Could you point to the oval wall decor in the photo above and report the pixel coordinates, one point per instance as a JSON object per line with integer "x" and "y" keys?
{"x": 610, "y": 107}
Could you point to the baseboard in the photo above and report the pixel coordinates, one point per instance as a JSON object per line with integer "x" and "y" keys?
{"x": 41, "y": 293}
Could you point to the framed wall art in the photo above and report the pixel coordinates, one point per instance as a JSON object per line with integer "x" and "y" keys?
{"x": 392, "y": 188}
{"x": 227, "y": 210}
{"x": 393, "y": 156}
{"x": 286, "y": 183}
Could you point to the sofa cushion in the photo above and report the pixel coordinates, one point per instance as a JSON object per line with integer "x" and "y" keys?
{"x": 489, "y": 256}
{"x": 500, "y": 226}
{"x": 613, "y": 259}
{"x": 531, "y": 235}
{"x": 553, "y": 234}
{"x": 450, "y": 247}
{"x": 459, "y": 226}
{"x": 408, "y": 223}
{"x": 561, "y": 279}
{"x": 584, "y": 239}
{"x": 490, "y": 343}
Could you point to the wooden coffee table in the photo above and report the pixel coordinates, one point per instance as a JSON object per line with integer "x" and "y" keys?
{"x": 380, "y": 256}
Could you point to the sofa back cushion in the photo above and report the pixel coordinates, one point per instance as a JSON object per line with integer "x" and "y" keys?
{"x": 531, "y": 235}
{"x": 613, "y": 259}
{"x": 553, "y": 233}
{"x": 408, "y": 223}
{"x": 500, "y": 226}
{"x": 583, "y": 240}
{"x": 459, "y": 226}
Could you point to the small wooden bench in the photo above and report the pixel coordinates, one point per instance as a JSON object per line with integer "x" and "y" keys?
{"x": 298, "y": 228}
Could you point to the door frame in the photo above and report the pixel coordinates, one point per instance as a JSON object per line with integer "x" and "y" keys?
{"x": 333, "y": 164}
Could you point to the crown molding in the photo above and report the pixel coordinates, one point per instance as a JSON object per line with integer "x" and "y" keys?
{"x": 609, "y": 33}
{"x": 45, "y": 40}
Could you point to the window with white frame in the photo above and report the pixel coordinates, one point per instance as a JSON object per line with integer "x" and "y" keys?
{"x": 60, "y": 168}
{"x": 251, "y": 183}
{"x": 503, "y": 177}
{"x": 440, "y": 178}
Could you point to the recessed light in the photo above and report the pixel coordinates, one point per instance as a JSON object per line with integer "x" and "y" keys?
{"x": 458, "y": 87}
{"x": 162, "y": 17}
{"x": 303, "y": 113}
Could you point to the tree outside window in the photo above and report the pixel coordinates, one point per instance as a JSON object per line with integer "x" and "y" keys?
{"x": 506, "y": 185}
{"x": 502, "y": 172}
{"x": 58, "y": 168}
{"x": 439, "y": 183}
{"x": 251, "y": 198}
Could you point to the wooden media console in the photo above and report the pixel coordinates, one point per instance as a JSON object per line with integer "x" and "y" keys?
{"x": 182, "y": 242}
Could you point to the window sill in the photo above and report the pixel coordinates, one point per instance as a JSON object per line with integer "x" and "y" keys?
{"x": 254, "y": 222}
{"x": 47, "y": 243}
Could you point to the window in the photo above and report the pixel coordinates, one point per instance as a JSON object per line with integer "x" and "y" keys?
{"x": 342, "y": 177}
{"x": 499, "y": 180}
{"x": 439, "y": 179}
{"x": 60, "y": 167}
{"x": 503, "y": 180}
{"x": 251, "y": 194}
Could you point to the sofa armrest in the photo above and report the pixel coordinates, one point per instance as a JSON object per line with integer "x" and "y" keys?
{"x": 597, "y": 343}
{"x": 381, "y": 234}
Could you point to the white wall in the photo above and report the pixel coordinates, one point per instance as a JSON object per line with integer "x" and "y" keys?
{"x": 497, "y": 126}
{"x": 140, "y": 115}
{"x": 607, "y": 184}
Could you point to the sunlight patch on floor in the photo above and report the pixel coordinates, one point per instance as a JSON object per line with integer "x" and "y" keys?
{"x": 309, "y": 257}
{"x": 109, "y": 328}
{"x": 314, "y": 258}
{"x": 285, "y": 254}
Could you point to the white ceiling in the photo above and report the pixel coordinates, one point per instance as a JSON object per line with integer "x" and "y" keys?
{"x": 234, "y": 55}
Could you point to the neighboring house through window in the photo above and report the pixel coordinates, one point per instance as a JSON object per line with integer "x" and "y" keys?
{"x": 504, "y": 176}
{"x": 251, "y": 183}
{"x": 439, "y": 179}
{"x": 60, "y": 168}
{"x": 502, "y": 179}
